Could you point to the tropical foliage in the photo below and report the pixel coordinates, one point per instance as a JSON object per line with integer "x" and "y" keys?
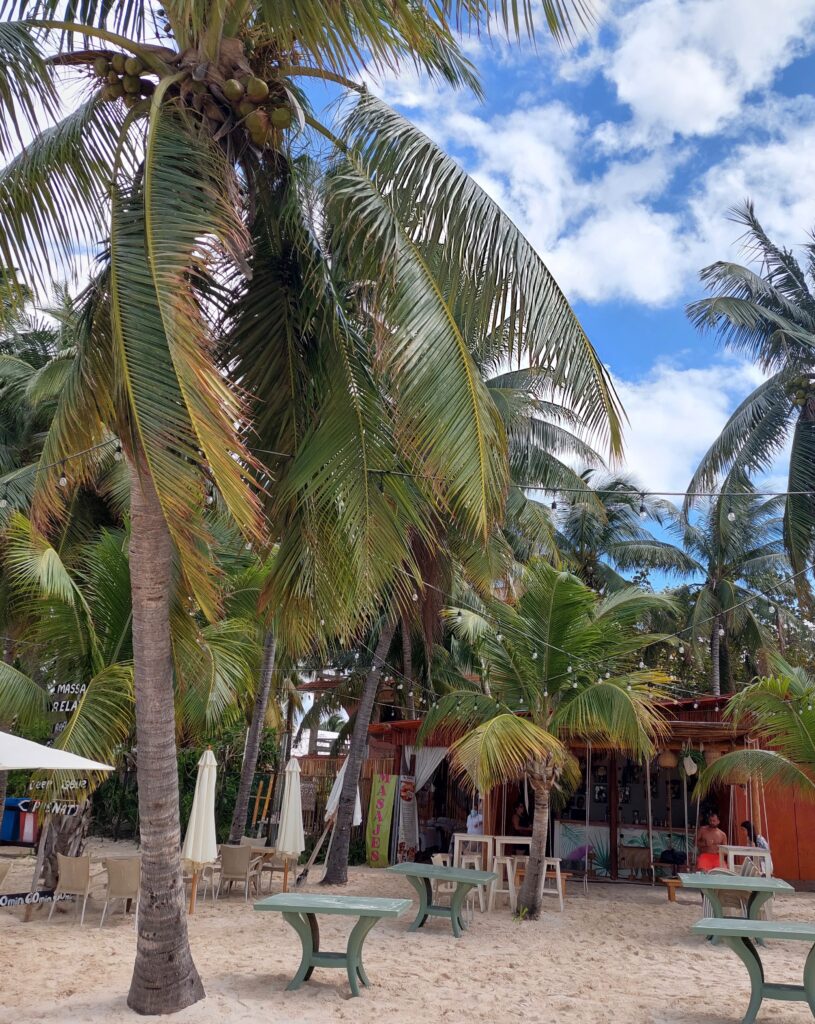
{"x": 560, "y": 664}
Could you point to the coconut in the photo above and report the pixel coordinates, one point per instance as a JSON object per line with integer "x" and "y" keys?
{"x": 112, "y": 77}
{"x": 245, "y": 108}
{"x": 133, "y": 66}
{"x": 257, "y": 90}
{"x": 233, "y": 90}
{"x": 200, "y": 88}
{"x": 118, "y": 62}
{"x": 116, "y": 90}
{"x": 257, "y": 121}
{"x": 132, "y": 84}
{"x": 101, "y": 66}
{"x": 282, "y": 117}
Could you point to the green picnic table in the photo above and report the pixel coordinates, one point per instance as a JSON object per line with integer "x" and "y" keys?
{"x": 300, "y": 911}
{"x": 741, "y": 935}
{"x": 755, "y": 888}
{"x": 421, "y": 877}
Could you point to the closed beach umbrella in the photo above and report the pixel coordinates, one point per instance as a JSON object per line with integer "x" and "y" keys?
{"x": 290, "y": 838}
{"x": 333, "y": 801}
{"x": 200, "y": 846}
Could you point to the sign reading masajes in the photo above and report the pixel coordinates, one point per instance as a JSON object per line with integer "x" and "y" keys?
{"x": 380, "y": 811}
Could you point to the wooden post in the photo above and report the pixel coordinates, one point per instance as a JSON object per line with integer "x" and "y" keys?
{"x": 613, "y": 825}
{"x": 46, "y": 828}
{"x": 285, "y": 874}
{"x": 193, "y": 891}
{"x": 257, "y": 802}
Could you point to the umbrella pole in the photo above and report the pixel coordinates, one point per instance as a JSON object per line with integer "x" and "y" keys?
{"x": 285, "y": 874}
{"x": 193, "y": 891}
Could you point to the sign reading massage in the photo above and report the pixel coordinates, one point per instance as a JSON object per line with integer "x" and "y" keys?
{"x": 380, "y": 812}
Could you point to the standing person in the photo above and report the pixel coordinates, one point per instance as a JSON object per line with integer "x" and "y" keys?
{"x": 753, "y": 837}
{"x": 521, "y": 824}
{"x": 708, "y": 840}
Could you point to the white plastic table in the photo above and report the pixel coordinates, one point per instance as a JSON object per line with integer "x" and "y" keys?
{"x": 754, "y": 853}
{"x": 485, "y": 842}
{"x": 502, "y": 841}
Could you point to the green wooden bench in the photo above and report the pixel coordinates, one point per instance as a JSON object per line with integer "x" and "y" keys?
{"x": 300, "y": 910}
{"x": 739, "y": 933}
{"x": 421, "y": 877}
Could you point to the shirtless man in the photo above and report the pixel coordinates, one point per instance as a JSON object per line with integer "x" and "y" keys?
{"x": 708, "y": 840}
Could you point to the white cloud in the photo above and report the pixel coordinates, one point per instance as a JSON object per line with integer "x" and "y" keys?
{"x": 675, "y": 414}
{"x": 687, "y": 66}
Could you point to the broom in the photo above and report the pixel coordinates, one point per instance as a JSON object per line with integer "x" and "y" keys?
{"x": 301, "y": 878}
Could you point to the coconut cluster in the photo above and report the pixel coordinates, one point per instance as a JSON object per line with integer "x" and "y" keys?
{"x": 801, "y": 390}
{"x": 123, "y": 78}
{"x": 261, "y": 108}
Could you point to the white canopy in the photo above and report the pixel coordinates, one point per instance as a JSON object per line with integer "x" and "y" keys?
{"x": 333, "y": 801}
{"x": 23, "y": 755}
{"x": 200, "y": 844}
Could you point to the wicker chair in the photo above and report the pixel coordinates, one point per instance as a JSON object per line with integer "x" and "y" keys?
{"x": 74, "y": 880}
{"x": 124, "y": 876}
{"x": 238, "y": 865}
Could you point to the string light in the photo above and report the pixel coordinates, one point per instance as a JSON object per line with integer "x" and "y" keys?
{"x": 499, "y": 637}
{"x": 63, "y": 479}
{"x": 117, "y": 454}
{"x": 414, "y": 596}
{"x": 4, "y": 499}
{"x": 643, "y": 510}
{"x": 554, "y": 505}
{"x": 731, "y": 516}
{"x": 534, "y": 655}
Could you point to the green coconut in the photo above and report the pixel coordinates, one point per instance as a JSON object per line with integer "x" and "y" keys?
{"x": 245, "y": 108}
{"x": 132, "y": 84}
{"x": 134, "y": 66}
{"x": 101, "y": 66}
{"x": 233, "y": 90}
{"x": 257, "y": 90}
{"x": 112, "y": 77}
{"x": 281, "y": 117}
{"x": 116, "y": 90}
{"x": 118, "y": 62}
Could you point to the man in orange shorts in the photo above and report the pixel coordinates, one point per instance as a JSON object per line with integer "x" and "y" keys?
{"x": 708, "y": 840}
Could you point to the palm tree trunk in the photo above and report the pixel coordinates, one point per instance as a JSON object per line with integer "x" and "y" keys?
{"x": 250, "y": 758}
{"x": 725, "y": 667}
{"x": 531, "y": 895}
{"x": 715, "y": 666}
{"x": 164, "y": 976}
{"x": 337, "y": 865}
{"x": 407, "y": 667}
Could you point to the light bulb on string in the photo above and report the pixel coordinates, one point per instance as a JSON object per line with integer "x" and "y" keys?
{"x": 643, "y": 510}
{"x": 696, "y": 705}
{"x": 534, "y": 655}
{"x": 721, "y": 631}
{"x": 731, "y": 516}
{"x": 642, "y": 664}
{"x": 546, "y": 693}
{"x": 574, "y": 685}
{"x": 63, "y": 479}
{"x": 554, "y": 506}
{"x": 569, "y": 669}
{"x": 629, "y": 687}
{"x": 117, "y": 454}
{"x": 414, "y": 596}
{"x": 681, "y": 650}
{"x": 499, "y": 637}
{"x": 608, "y": 675}
{"x": 4, "y": 500}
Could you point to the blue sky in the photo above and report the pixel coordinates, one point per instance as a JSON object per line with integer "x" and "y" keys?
{"x": 620, "y": 158}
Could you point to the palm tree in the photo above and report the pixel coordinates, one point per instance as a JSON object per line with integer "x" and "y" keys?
{"x": 736, "y": 543}
{"x": 195, "y": 149}
{"x": 779, "y": 709}
{"x": 601, "y": 532}
{"x": 558, "y": 665}
{"x": 767, "y": 315}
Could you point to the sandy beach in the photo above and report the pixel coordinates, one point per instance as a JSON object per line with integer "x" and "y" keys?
{"x": 621, "y": 955}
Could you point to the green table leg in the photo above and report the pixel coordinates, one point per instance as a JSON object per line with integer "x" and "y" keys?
{"x": 809, "y": 980}
{"x": 456, "y": 904}
{"x": 425, "y": 891}
{"x": 748, "y": 954}
{"x": 354, "y": 953}
{"x": 306, "y": 927}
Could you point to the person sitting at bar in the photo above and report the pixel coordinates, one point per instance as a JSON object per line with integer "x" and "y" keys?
{"x": 708, "y": 840}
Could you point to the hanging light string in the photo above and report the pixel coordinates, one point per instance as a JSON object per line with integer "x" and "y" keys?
{"x": 35, "y": 467}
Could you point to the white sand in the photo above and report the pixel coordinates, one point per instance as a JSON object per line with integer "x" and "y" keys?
{"x": 622, "y": 955}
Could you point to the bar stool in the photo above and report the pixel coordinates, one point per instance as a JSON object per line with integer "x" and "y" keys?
{"x": 553, "y": 864}
{"x": 503, "y": 866}
{"x": 473, "y": 860}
